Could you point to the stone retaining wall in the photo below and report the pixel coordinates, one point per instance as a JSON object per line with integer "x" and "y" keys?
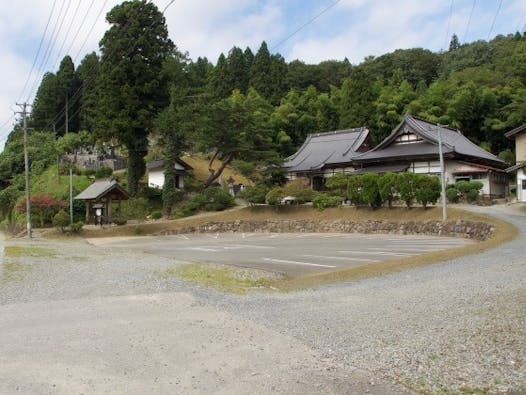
{"x": 466, "y": 229}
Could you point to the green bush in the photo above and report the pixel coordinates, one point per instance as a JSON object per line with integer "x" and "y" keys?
{"x": 354, "y": 192}
{"x": 323, "y": 201}
{"x": 120, "y": 220}
{"x": 156, "y": 214}
{"x": 300, "y": 189}
{"x": 370, "y": 192}
{"x": 406, "y": 187}
{"x": 254, "y": 194}
{"x": 103, "y": 172}
{"x": 338, "y": 184}
{"x": 274, "y": 196}
{"x": 427, "y": 189}
{"x": 212, "y": 199}
{"x": 387, "y": 187}
{"x": 453, "y": 195}
{"x": 472, "y": 195}
{"x": 61, "y": 220}
{"x": 135, "y": 208}
{"x": 76, "y": 227}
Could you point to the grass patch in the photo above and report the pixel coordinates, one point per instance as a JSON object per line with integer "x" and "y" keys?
{"x": 222, "y": 278}
{"x": 15, "y": 251}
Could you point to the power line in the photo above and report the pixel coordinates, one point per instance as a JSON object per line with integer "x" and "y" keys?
{"x": 494, "y": 19}
{"x": 80, "y": 26}
{"x": 91, "y": 29}
{"x": 469, "y": 21}
{"x": 306, "y": 24}
{"x": 50, "y": 46}
{"x": 38, "y": 51}
{"x": 448, "y": 25}
{"x": 67, "y": 32}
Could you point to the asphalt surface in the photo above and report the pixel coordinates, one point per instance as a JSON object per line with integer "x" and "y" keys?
{"x": 286, "y": 253}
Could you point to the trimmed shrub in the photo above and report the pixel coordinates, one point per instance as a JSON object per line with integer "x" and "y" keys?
{"x": 338, "y": 184}
{"x": 274, "y": 196}
{"x": 354, "y": 191}
{"x": 103, "y": 172}
{"x": 254, "y": 194}
{"x": 427, "y": 189}
{"x": 370, "y": 191}
{"x": 212, "y": 199}
{"x": 387, "y": 187}
{"x": 61, "y": 220}
{"x": 453, "y": 195}
{"x": 76, "y": 227}
{"x": 323, "y": 200}
{"x": 300, "y": 189}
{"x": 406, "y": 187}
{"x": 156, "y": 214}
{"x": 472, "y": 195}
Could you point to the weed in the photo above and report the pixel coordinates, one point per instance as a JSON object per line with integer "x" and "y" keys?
{"x": 14, "y": 251}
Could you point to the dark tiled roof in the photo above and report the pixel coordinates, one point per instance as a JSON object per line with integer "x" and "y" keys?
{"x": 98, "y": 189}
{"x": 453, "y": 143}
{"x": 395, "y": 168}
{"x": 159, "y": 163}
{"x": 323, "y": 149}
{"x": 515, "y": 131}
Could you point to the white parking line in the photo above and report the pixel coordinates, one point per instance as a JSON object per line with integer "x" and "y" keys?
{"x": 400, "y": 248}
{"x": 342, "y": 258}
{"x": 374, "y": 253}
{"x": 295, "y": 262}
{"x": 206, "y": 249}
{"x": 239, "y": 246}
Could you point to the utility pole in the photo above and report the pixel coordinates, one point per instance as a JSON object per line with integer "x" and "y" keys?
{"x": 70, "y": 196}
{"x": 442, "y": 174}
{"x": 26, "y": 165}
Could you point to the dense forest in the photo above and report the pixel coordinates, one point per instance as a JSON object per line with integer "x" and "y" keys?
{"x": 251, "y": 108}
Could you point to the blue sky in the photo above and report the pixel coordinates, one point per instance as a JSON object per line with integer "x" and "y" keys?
{"x": 349, "y": 28}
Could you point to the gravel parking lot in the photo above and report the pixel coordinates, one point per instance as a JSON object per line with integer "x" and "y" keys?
{"x": 92, "y": 319}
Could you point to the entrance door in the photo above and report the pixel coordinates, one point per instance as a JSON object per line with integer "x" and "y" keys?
{"x": 522, "y": 194}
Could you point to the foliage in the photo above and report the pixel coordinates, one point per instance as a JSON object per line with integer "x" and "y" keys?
{"x": 406, "y": 187}
{"x": 338, "y": 184}
{"x": 43, "y": 208}
{"x": 387, "y": 187}
{"x": 275, "y": 196}
{"x": 156, "y": 214}
{"x": 254, "y": 194}
{"x": 453, "y": 195}
{"x": 323, "y": 201}
{"x": 135, "y": 208}
{"x": 61, "y": 220}
{"x": 427, "y": 189}
{"x": 370, "y": 193}
{"x": 354, "y": 191}
{"x": 300, "y": 190}
{"x": 76, "y": 227}
{"x": 211, "y": 199}
{"x": 132, "y": 89}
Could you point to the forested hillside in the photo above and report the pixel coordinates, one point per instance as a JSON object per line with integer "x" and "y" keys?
{"x": 250, "y": 107}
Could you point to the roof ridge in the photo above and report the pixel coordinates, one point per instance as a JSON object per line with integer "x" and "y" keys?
{"x": 340, "y": 131}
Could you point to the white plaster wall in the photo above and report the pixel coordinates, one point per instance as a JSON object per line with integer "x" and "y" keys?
{"x": 156, "y": 178}
{"x": 521, "y": 193}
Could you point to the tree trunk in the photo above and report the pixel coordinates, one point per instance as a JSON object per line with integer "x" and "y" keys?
{"x": 136, "y": 169}
{"x": 214, "y": 174}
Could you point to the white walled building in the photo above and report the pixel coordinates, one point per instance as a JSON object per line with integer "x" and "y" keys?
{"x": 519, "y": 134}
{"x": 412, "y": 146}
{"x": 156, "y": 173}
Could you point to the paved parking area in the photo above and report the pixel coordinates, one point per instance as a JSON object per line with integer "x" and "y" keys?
{"x": 292, "y": 254}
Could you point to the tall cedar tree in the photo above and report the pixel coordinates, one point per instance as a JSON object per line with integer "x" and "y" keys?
{"x": 132, "y": 90}
{"x": 87, "y": 73}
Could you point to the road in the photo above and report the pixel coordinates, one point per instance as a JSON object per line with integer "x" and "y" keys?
{"x": 286, "y": 253}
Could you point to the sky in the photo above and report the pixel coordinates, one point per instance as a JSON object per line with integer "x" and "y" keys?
{"x": 308, "y": 30}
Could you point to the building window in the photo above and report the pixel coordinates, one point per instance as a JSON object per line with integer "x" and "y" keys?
{"x": 524, "y": 185}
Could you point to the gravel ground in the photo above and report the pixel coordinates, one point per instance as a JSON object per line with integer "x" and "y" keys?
{"x": 447, "y": 327}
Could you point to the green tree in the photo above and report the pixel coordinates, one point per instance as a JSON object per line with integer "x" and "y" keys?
{"x": 427, "y": 189}
{"x": 387, "y": 187}
{"x": 406, "y": 187}
{"x": 131, "y": 87}
{"x": 87, "y": 74}
{"x": 46, "y": 103}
